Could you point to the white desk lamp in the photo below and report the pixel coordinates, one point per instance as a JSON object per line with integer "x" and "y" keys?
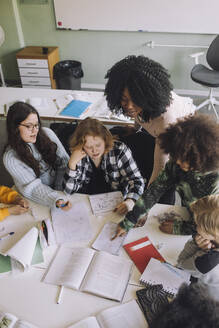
{"x": 2, "y": 39}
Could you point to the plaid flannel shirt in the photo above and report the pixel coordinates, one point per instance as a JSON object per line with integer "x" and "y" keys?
{"x": 120, "y": 171}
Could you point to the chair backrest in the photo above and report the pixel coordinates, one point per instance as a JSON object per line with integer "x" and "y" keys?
{"x": 213, "y": 54}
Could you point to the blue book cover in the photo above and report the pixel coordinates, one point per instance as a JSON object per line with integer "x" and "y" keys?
{"x": 75, "y": 108}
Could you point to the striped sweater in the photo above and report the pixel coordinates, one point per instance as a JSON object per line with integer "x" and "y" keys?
{"x": 44, "y": 190}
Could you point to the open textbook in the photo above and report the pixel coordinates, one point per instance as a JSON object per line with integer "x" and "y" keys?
{"x": 8, "y": 320}
{"x": 71, "y": 225}
{"x": 167, "y": 275}
{"x": 20, "y": 252}
{"x": 105, "y": 202}
{"x": 84, "y": 269}
{"x": 127, "y": 315}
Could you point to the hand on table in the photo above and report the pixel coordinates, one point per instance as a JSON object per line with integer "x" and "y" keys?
{"x": 125, "y": 206}
{"x": 17, "y": 209}
{"x": 21, "y": 201}
{"x": 141, "y": 222}
{"x": 119, "y": 232}
{"x": 63, "y": 205}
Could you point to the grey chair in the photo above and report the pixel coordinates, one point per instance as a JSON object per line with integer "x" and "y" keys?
{"x": 208, "y": 76}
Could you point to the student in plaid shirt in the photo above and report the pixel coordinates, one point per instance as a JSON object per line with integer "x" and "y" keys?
{"x": 99, "y": 164}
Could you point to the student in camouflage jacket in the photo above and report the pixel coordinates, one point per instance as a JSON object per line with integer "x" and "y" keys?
{"x": 193, "y": 169}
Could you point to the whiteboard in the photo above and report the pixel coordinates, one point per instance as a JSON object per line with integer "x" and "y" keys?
{"x": 180, "y": 16}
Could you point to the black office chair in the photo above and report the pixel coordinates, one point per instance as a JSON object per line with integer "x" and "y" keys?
{"x": 208, "y": 76}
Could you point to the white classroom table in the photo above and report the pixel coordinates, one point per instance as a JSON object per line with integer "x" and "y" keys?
{"x": 25, "y": 296}
{"x": 50, "y": 112}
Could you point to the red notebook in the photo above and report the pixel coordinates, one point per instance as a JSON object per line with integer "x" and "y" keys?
{"x": 141, "y": 251}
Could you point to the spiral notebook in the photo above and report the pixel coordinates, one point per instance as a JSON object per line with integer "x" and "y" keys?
{"x": 169, "y": 276}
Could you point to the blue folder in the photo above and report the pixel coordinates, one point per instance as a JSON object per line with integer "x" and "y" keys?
{"x": 75, "y": 108}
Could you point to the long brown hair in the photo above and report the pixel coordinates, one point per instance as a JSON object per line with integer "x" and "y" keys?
{"x": 17, "y": 113}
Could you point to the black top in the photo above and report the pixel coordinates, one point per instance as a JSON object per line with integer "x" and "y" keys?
{"x": 97, "y": 184}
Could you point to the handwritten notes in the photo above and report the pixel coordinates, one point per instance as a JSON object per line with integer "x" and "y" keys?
{"x": 106, "y": 202}
{"x": 72, "y": 225}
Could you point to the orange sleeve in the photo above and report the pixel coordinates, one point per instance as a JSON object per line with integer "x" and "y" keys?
{"x": 4, "y": 213}
{"x": 7, "y": 195}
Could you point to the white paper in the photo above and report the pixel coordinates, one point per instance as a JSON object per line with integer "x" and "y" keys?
{"x": 105, "y": 202}
{"x": 104, "y": 242}
{"x": 90, "y": 322}
{"x": 72, "y": 225}
{"x": 23, "y": 250}
{"x": 126, "y": 315}
{"x": 69, "y": 267}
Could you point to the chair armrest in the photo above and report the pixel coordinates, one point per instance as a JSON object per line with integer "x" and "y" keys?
{"x": 196, "y": 56}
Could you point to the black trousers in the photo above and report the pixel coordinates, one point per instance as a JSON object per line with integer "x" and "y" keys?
{"x": 142, "y": 145}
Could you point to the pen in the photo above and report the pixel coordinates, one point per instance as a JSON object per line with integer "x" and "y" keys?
{"x": 7, "y": 235}
{"x": 63, "y": 205}
{"x": 59, "y": 296}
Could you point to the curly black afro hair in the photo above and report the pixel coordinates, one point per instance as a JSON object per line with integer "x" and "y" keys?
{"x": 147, "y": 82}
{"x": 195, "y": 140}
{"x": 191, "y": 308}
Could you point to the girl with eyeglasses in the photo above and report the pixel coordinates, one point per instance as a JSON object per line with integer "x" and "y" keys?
{"x": 34, "y": 157}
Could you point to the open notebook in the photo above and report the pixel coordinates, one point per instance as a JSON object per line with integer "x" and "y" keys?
{"x": 170, "y": 277}
{"x": 21, "y": 253}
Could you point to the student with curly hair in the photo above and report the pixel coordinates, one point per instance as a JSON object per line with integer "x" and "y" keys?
{"x": 192, "y": 307}
{"x": 34, "y": 156}
{"x": 99, "y": 164}
{"x": 140, "y": 88}
{"x": 200, "y": 256}
{"x": 193, "y": 170}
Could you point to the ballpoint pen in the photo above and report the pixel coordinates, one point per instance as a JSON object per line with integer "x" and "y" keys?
{"x": 6, "y": 235}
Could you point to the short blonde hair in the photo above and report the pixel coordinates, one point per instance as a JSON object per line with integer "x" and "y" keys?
{"x": 91, "y": 127}
{"x": 206, "y": 214}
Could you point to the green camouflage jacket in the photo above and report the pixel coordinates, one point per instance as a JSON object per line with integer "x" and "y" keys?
{"x": 190, "y": 185}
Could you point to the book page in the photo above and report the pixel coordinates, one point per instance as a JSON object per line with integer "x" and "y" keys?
{"x": 158, "y": 273}
{"x": 103, "y": 241}
{"x": 17, "y": 224}
{"x": 69, "y": 267}
{"x": 107, "y": 276}
{"x": 126, "y": 315}
{"x": 72, "y": 225}
{"x": 105, "y": 202}
{"x": 90, "y": 322}
{"x": 24, "y": 249}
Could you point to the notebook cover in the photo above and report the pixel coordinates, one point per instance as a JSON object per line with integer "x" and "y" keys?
{"x": 75, "y": 108}
{"x": 141, "y": 251}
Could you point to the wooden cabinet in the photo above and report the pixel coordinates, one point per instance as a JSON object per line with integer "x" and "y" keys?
{"x": 36, "y": 67}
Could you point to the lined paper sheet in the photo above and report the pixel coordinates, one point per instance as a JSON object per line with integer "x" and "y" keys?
{"x": 71, "y": 225}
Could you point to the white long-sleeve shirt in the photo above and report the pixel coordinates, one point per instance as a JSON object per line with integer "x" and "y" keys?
{"x": 44, "y": 190}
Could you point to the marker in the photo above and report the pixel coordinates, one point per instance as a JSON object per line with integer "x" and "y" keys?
{"x": 59, "y": 298}
{"x": 7, "y": 235}
{"x": 45, "y": 231}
